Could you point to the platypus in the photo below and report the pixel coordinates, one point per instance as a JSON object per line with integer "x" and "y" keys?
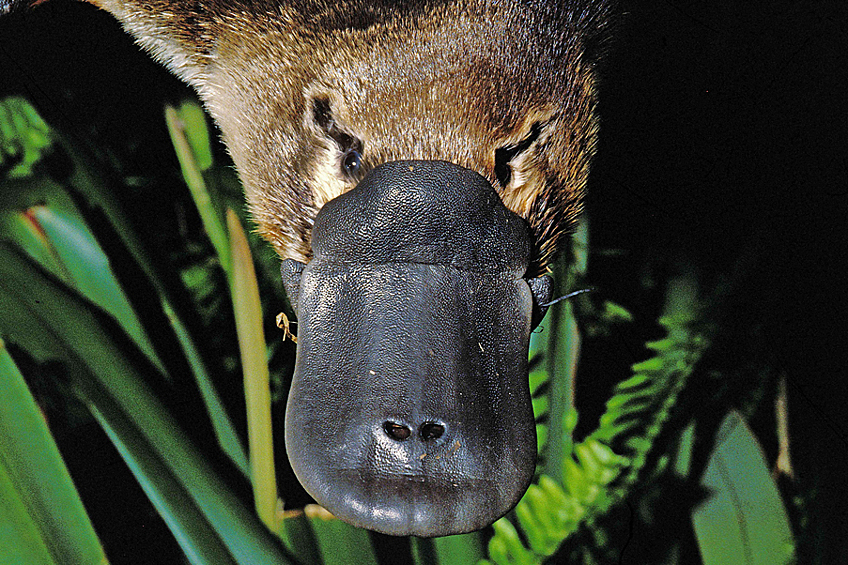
{"x": 415, "y": 164}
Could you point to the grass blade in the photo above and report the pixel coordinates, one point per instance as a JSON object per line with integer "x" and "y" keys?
{"x": 562, "y": 353}
{"x": 193, "y": 122}
{"x": 224, "y": 429}
{"x": 194, "y": 179}
{"x": 190, "y": 137}
{"x": 257, "y": 391}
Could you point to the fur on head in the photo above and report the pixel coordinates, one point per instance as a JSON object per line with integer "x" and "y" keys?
{"x": 505, "y": 89}
{"x": 409, "y": 410}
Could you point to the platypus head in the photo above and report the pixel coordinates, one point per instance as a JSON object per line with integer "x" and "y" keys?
{"x": 409, "y": 412}
{"x": 414, "y": 164}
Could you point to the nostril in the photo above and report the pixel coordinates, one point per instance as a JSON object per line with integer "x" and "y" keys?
{"x": 396, "y": 431}
{"x": 431, "y": 430}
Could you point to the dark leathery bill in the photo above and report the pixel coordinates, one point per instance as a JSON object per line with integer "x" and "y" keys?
{"x": 409, "y": 411}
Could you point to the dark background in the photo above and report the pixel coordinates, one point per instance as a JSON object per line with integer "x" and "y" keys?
{"x": 723, "y": 127}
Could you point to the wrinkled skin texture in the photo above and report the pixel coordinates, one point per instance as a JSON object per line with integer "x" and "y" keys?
{"x": 414, "y": 315}
{"x": 409, "y": 411}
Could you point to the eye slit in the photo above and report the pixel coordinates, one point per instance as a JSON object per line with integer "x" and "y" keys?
{"x": 322, "y": 115}
{"x": 351, "y": 162}
{"x": 504, "y": 155}
{"x": 349, "y": 145}
{"x": 503, "y": 171}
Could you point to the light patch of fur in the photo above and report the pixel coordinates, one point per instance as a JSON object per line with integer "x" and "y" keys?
{"x": 525, "y": 175}
{"x": 326, "y": 182}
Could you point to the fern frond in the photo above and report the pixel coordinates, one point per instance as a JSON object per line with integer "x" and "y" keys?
{"x": 599, "y": 471}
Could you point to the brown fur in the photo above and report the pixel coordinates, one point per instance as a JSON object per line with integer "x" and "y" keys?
{"x": 455, "y": 81}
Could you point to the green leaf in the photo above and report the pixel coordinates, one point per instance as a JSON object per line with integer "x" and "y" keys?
{"x": 42, "y": 519}
{"x": 744, "y": 521}
{"x": 212, "y": 221}
{"x": 22, "y": 228}
{"x": 297, "y": 534}
{"x": 93, "y": 342}
{"x": 652, "y": 364}
{"x": 340, "y": 543}
{"x": 685, "y": 448}
{"x": 224, "y": 428}
{"x": 193, "y": 123}
{"x": 248, "y": 312}
{"x": 615, "y": 313}
{"x": 194, "y": 533}
{"x": 81, "y": 258}
{"x": 596, "y": 473}
{"x": 86, "y": 180}
{"x": 24, "y": 137}
{"x": 505, "y": 548}
{"x": 464, "y": 549}
{"x": 20, "y": 539}
{"x": 660, "y": 345}
{"x": 563, "y": 350}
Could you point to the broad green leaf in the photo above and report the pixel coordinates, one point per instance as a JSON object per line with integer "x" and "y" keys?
{"x": 82, "y": 259}
{"x": 20, "y": 539}
{"x": 42, "y": 519}
{"x": 23, "y": 229}
{"x": 744, "y": 521}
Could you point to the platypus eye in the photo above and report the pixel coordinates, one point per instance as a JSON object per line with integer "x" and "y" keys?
{"x": 348, "y": 144}
{"x": 351, "y": 162}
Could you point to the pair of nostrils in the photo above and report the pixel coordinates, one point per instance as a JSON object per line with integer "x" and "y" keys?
{"x": 427, "y": 431}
